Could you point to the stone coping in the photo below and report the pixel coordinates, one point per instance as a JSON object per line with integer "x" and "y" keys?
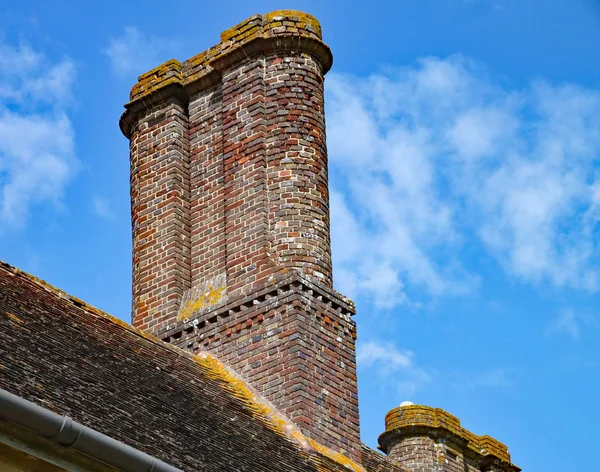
{"x": 280, "y": 30}
{"x": 412, "y": 420}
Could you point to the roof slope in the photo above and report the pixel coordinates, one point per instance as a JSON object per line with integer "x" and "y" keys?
{"x": 189, "y": 411}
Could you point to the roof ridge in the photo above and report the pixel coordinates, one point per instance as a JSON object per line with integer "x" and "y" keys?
{"x": 233, "y": 383}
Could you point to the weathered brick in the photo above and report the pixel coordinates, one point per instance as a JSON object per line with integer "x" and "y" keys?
{"x": 229, "y": 194}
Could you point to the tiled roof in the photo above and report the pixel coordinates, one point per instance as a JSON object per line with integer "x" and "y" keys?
{"x": 189, "y": 411}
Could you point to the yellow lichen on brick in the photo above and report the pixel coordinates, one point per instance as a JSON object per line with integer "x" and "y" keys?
{"x": 167, "y": 73}
{"x": 210, "y": 298}
{"x": 202, "y": 59}
{"x": 254, "y": 21}
{"x": 165, "y": 67}
{"x": 216, "y": 370}
{"x": 301, "y": 20}
{"x": 279, "y": 22}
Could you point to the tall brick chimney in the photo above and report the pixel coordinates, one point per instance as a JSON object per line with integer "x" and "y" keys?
{"x": 230, "y": 219}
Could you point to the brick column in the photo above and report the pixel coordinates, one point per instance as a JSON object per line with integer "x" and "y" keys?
{"x": 160, "y": 214}
{"x": 244, "y": 134}
{"x": 297, "y": 164}
{"x": 207, "y": 190}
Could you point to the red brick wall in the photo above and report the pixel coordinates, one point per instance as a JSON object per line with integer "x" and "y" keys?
{"x": 416, "y": 453}
{"x": 259, "y": 196}
{"x": 248, "y": 165}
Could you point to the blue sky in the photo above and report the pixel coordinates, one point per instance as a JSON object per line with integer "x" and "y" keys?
{"x": 464, "y": 141}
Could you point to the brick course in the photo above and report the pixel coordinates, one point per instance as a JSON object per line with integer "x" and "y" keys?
{"x": 297, "y": 164}
{"x": 250, "y": 197}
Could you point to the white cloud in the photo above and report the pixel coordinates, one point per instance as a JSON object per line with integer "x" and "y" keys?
{"x": 37, "y": 158}
{"x": 393, "y": 366}
{"x": 103, "y": 208}
{"x": 438, "y": 158}
{"x": 398, "y": 368}
{"x": 136, "y": 52}
{"x": 372, "y": 352}
{"x": 569, "y": 322}
{"x": 566, "y": 322}
{"x": 28, "y": 79}
{"x": 478, "y": 132}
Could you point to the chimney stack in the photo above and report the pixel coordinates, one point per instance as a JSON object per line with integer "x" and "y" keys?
{"x": 230, "y": 219}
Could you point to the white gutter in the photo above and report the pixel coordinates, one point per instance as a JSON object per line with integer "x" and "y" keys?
{"x": 63, "y": 430}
